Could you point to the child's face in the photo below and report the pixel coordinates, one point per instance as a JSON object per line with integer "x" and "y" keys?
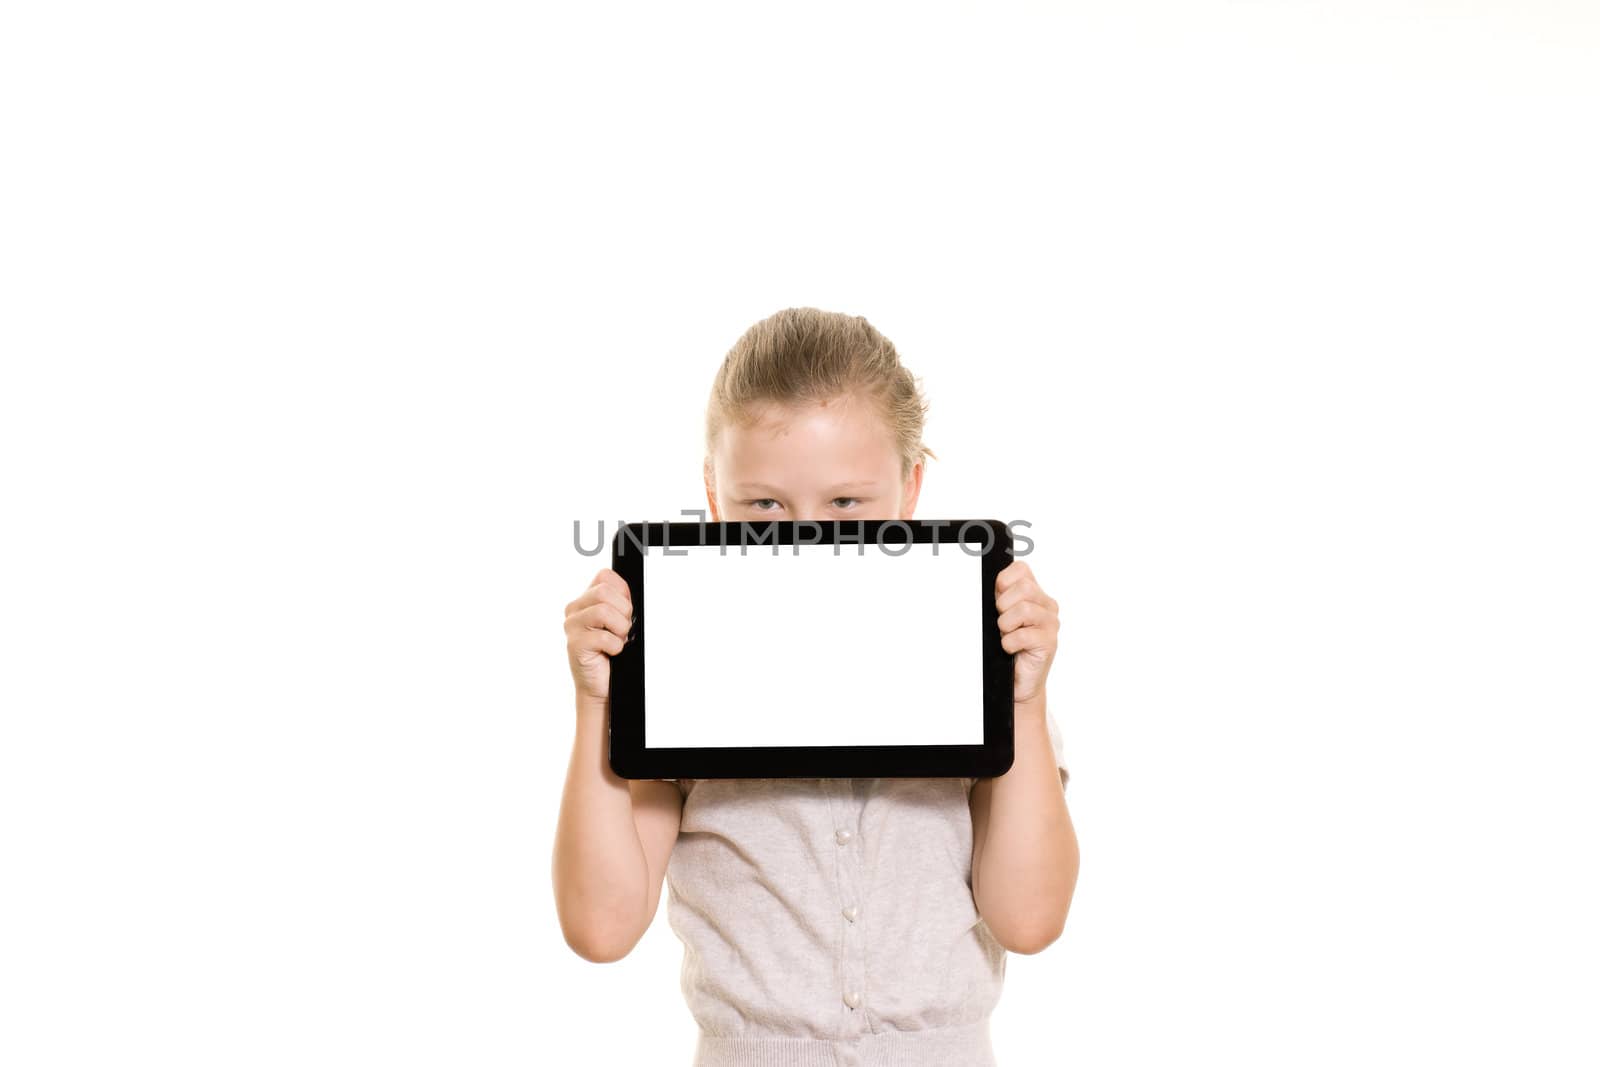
{"x": 834, "y": 460}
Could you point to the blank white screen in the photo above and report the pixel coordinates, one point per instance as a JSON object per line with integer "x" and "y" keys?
{"x": 778, "y": 647}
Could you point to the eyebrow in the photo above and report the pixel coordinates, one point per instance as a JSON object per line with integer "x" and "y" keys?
{"x": 760, "y": 487}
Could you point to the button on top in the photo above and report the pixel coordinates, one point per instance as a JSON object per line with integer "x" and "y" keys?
{"x": 843, "y": 836}
{"x": 853, "y": 999}
{"x": 851, "y": 912}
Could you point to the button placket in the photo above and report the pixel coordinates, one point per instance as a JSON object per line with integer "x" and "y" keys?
{"x": 844, "y": 808}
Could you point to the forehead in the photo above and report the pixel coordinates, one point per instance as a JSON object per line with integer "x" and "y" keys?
{"x": 815, "y": 445}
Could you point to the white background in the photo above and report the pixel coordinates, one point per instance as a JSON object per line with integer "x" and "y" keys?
{"x": 322, "y": 323}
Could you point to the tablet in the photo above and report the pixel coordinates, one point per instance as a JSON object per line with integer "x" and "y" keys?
{"x": 812, "y": 649}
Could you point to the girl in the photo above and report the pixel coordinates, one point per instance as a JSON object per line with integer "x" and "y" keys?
{"x": 824, "y": 921}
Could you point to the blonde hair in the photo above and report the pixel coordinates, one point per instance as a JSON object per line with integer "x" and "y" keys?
{"x": 804, "y": 355}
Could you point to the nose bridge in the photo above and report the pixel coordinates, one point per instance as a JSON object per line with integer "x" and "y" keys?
{"x": 803, "y": 509}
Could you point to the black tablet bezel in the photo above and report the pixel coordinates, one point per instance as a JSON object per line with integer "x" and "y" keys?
{"x": 627, "y": 753}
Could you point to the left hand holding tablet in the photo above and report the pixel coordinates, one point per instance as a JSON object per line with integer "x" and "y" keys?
{"x": 1029, "y": 620}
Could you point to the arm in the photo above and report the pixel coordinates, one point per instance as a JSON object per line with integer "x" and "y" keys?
{"x": 1024, "y": 847}
{"x": 613, "y": 836}
{"x": 613, "y": 839}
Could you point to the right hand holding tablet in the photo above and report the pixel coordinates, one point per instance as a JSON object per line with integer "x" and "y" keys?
{"x": 597, "y": 627}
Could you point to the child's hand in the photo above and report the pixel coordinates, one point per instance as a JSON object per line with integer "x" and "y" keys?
{"x": 597, "y": 628}
{"x": 1029, "y": 622}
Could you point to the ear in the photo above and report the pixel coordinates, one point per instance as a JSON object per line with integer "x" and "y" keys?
{"x": 912, "y": 490}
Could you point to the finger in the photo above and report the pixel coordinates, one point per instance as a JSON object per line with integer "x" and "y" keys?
{"x": 606, "y": 593}
{"x": 1013, "y": 572}
{"x": 602, "y": 641}
{"x": 599, "y": 617}
{"x": 1027, "y": 613}
{"x": 1021, "y": 591}
{"x": 1024, "y": 638}
{"x": 608, "y": 617}
{"x": 601, "y": 593}
{"x": 614, "y": 580}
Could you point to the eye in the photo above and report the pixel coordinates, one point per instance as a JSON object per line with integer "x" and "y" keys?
{"x": 763, "y": 500}
{"x": 850, "y": 498}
